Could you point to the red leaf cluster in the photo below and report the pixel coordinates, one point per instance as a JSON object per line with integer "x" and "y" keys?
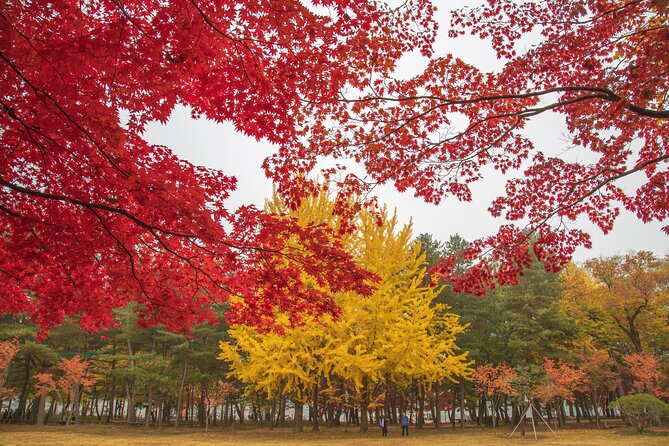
{"x": 600, "y": 64}
{"x": 93, "y": 217}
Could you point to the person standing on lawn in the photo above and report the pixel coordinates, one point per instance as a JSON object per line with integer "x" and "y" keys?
{"x": 404, "y": 422}
{"x": 384, "y": 426}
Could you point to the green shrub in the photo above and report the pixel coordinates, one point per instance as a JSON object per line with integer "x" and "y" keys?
{"x": 640, "y": 409}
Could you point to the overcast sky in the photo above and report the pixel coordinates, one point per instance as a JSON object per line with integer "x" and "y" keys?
{"x": 219, "y": 146}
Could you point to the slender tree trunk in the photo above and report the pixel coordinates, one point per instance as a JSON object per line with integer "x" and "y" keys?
{"x": 298, "y": 424}
{"x": 420, "y": 416}
{"x": 462, "y": 404}
{"x": 364, "y": 406}
{"x": 453, "y": 411}
{"x": 282, "y": 411}
{"x": 130, "y": 416}
{"x": 364, "y": 415}
{"x": 177, "y": 419}
{"x": 269, "y": 415}
{"x": 585, "y": 410}
{"x": 41, "y": 404}
{"x": 149, "y": 402}
{"x": 76, "y": 411}
{"x": 559, "y": 410}
{"x": 437, "y": 406}
{"x": 240, "y": 413}
{"x": 314, "y": 418}
{"x": 191, "y": 405}
{"x": 112, "y": 395}
{"x": 23, "y": 398}
{"x": 202, "y": 414}
{"x": 593, "y": 395}
{"x": 495, "y": 408}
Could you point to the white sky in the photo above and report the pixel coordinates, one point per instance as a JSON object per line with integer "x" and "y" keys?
{"x": 219, "y": 146}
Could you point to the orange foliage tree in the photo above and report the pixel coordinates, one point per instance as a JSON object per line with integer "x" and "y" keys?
{"x": 646, "y": 374}
{"x": 494, "y": 381}
{"x": 75, "y": 377}
{"x": 8, "y": 350}
{"x": 601, "y": 377}
{"x": 561, "y": 382}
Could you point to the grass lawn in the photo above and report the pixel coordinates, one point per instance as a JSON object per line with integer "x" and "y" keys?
{"x": 99, "y": 435}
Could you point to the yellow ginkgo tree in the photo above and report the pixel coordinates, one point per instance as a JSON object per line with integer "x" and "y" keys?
{"x": 396, "y": 335}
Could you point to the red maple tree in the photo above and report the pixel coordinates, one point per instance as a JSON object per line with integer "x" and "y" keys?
{"x": 93, "y": 217}
{"x": 601, "y": 64}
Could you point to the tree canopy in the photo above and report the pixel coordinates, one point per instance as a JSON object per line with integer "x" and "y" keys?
{"x": 93, "y": 217}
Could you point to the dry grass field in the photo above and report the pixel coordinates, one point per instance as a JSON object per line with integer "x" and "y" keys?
{"x": 101, "y": 435}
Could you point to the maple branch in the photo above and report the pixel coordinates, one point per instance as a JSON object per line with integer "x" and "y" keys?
{"x": 10, "y": 212}
{"x": 8, "y": 274}
{"x": 598, "y": 93}
{"x": 62, "y": 266}
{"x": 31, "y": 130}
{"x": 235, "y": 42}
{"x": 89, "y": 205}
{"x": 93, "y": 207}
{"x": 531, "y": 229}
{"x": 42, "y": 93}
{"x": 606, "y": 181}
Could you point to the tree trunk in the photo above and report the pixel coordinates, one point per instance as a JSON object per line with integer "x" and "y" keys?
{"x": 437, "y": 407}
{"x": 585, "y": 411}
{"x": 462, "y": 404}
{"x": 364, "y": 415}
{"x": 559, "y": 411}
{"x": 269, "y": 417}
{"x": 202, "y": 413}
{"x": 593, "y": 395}
{"x": 149, "y": 402}
{"x": 113, "y": 384}
{"x": 453, "y": 411}
{"x": 41, "y": 410}
{"x": 191, "y": 406}
{"x": 314, "y": 418}
{"x": 298, "y": 425}
{"x": 76, "y": 411}
{"x": 240, "y": 413}
{"x": 420, "y": 416}
{"x": 177, "y": 419}
{"x": 130, "y": 416}
{"x": 19, "y": 414}
{"x": 281, "y": 418}
{"x": 496, "y": 402}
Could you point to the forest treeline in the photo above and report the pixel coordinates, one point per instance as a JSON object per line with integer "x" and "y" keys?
{"x": 569, "y": 342}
